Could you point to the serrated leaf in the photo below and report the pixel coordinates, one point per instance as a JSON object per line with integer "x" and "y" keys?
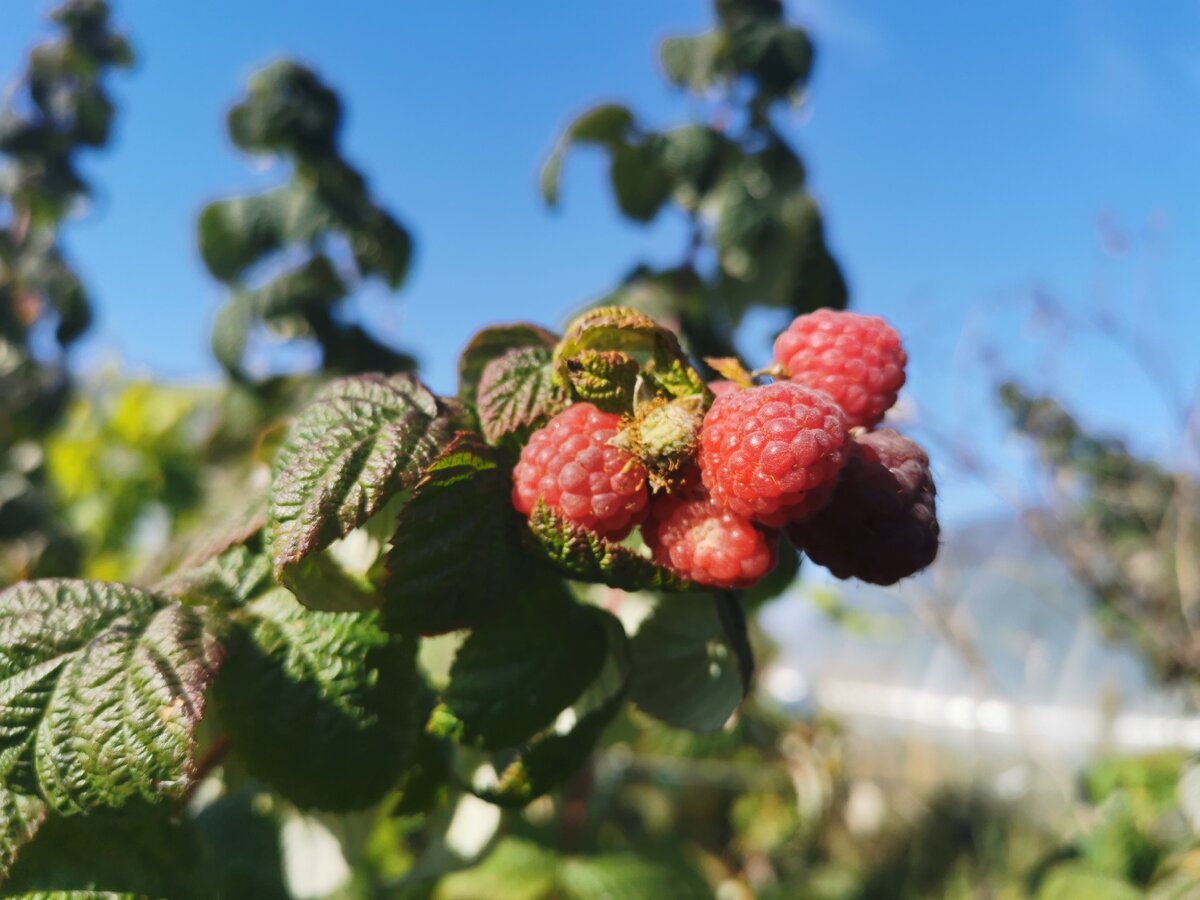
{"x": 359, "y": 442}
{"x": 604, "y": 378}
{"x": 628, "y": 876}
{"x": 321, "y": 706}
{"x": 321, "y": 583}
{"x": 139, "y": 851}
{"x": 20, "y": 818}
{"x": 583, "y": 555}
{"x": 686, "y": 669}
{"x": 462, "y": 510}
{"x": 492, "y": 343}
{"x": 227, "y": 580}
{"x": 517, "y": 393}
{"x": 101, "y": 687}
{"x": 551, "y": 757}
{"x": 512, "y": 678}
{"x": 625, "y": 330}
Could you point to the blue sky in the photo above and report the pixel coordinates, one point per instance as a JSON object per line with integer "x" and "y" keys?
{"x": 968, "y": 158}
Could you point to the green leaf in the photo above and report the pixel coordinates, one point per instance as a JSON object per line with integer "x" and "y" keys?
{"x": 685, "y": 667}
{"x": 640, "y": 181}
{"x": 361, "y": 441}
{"x": 512, "y": 678}
{"x": 778, "y": 56}
{"x": 550, "y": 177}
{"x": 492, "y": 343}
{"x": 321, "y": 706}
{"x": 628, "y": 876}
{"x": 138, "y": 851}
{"x": 607, "y": 125}
{"x": 519, "y": 869}
{"x": 241, "y": 838}
{"x": 693, "y": 155}
{"x": 625, "y": 330}
{"x": 20, "y": 819}
{"x": 312, "y": 285}
{"x": 516, "y": 869}
{"x": 1072, "y": 881}
{"x": 236, "y": 233}
{"x": 227, "y": 580}
{"x": 453, "y": 560}
{"x": 517, "y": 393}
{"x": 231, "y": 331}
{"x": 605, "y": 378}
{"x": 692, "y": 62}
{"x": 287, "y": 109}
{"x": 424, "y": 786}
{"x": 583, "y": 555}
{"x": 101, "y": 687}
{"x": 551, "y": 757}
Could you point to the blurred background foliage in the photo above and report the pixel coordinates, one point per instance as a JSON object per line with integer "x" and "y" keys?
{"x": 107, "y": 478}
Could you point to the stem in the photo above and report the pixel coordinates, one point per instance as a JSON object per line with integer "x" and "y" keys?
{"x": 211, "y": 759}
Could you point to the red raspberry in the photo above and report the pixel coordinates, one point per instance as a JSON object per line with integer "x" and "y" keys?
{"x": 857, "y": 360}
{"x": 881, "y": 524}
{"x": 772, "y": 453}
{"x": 703, "y": 542}
{"x": 721, "y": 386}
{"x": 571, "y": 465}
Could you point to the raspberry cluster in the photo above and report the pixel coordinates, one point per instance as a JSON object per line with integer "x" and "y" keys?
{"x": 795, "y": 455}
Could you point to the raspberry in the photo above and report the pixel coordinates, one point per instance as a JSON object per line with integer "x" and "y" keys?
{"x": 881, "y": 524}
{"x": 573, "y": 467}
{"x": 857, "y": 360}
{"x": 703, "y": 542}
{"x": 772, "y": 453}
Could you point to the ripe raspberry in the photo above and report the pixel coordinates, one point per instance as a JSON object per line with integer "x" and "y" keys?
{"x": 772, "y": 453}
{"x": 703, "y": 542}
{"x": 881, "y": 523}
{"x": 571, "y": 465}
{"x": 857, "y": 360}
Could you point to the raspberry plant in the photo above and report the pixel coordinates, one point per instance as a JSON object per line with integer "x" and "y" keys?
{"x": 58, "y": 108}
{"x": 428, "y": 601}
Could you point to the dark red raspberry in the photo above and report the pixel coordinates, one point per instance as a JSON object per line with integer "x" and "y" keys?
{"x": 772, "y": 453}
{"x": 881, "y": 524}
{"x": 572, "y": 466}
{"x": 704, "y": 542}
{"x": 857, "y": 360}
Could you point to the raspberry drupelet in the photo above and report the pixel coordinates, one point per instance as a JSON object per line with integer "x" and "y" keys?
{"x": 703, "y": 542}
{"x": 571, "y": 465}
{"x": 857, "y": 360}
{"x": 772, "y": 453}
{"x": 881, "y": 524}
